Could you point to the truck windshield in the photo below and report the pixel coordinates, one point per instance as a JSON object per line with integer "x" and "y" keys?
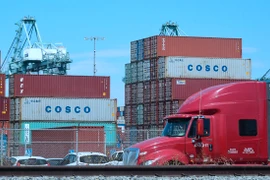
{"x": 176, "y": 127}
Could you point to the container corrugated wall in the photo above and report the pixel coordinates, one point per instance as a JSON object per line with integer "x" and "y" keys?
{"x": 2, "y": 85}
{"x": 199, "y": 46}
{"x": 89, "y": 138}
{"x": 59, "y": 86}
{"x": 4, "y": 109}
{"x": 109, "y": 128}
{"x": 183, "y": 88}
{"x": 218, "y": 68}
{"x": 64, "y": 109}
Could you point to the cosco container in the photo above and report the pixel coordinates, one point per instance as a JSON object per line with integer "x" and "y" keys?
{"x": 181, "y": 89}
{"x": 59, "y": 86}
{"x": 196, "y": 47}
{"x": 63, "y": 109}
{"x": 216, "y": 68}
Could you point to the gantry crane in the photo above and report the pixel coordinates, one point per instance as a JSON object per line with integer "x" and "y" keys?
{"x": 171, "y": 29}
{"x": 29, "y": 55}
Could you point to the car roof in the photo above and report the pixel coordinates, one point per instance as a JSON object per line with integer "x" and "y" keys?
{"x": 118, "y": 151}
{"x": 88, "y": 153}
{"x": 27, "y": 157}
{"x": 54, "y": 158}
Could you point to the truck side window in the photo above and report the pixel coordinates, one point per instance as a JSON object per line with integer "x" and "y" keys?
{"x": 192, "y": 131}
{"x": 248, "y": 127}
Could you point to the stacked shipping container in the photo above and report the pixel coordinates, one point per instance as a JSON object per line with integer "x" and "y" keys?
{"x": 69, "y": 100}
{"x": 4, "y": 115}
{"x": 165, "y": 70}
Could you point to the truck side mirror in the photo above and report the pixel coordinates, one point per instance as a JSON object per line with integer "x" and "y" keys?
{"x": 200, "y": 127}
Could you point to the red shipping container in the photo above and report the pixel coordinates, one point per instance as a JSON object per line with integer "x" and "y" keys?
{"x": 181, "y": 89}
{"x": 2, "y": 85}
{"x": 198, "y": 47}
{"x": 59, "y": 86}
{"x": 128, "y": 115}
{"x": 57, "y": 142}
{"x": 4, "y": 109}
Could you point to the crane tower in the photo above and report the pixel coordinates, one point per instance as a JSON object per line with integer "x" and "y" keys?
{"x": 29, "y": 55}
{"x": 171, "y": 29}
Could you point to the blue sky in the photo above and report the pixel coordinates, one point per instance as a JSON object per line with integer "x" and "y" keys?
{"x": 122, "y": 21}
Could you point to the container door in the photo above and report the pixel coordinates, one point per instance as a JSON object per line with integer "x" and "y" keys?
{"x": 200, "y": 150}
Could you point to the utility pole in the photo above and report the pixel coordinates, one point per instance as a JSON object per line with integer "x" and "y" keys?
{"x": 94, "y": 39}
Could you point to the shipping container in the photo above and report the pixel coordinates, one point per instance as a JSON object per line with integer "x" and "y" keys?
{"x": 140, "y": 93}
{"x": 127, "y": 73}
{"x": 140, "y": 71}
{"x": 197, "y": 47}
{"x": 17, "y": 131}
{"x": 128, "y": 114}
{"x": 134, "y": 72}
{"x": 181, "y": 89}
{"x": 59, "y": 86}
{"x": 216, "y": 68}
{"x": 133, "y": 51}
{"x": 147, "y": 114}
{"x": 146, "y": 70}
{"x": 4, "y": 109}
{"x": 139, "y": 114}
{"x": 128, "y": 94}
{"x": 2, "y": 85}
{"x": 63, "y": 109}
{"x": 58, "y": 142}
{"x": 147, "y": 92}
{"x": 134, "y": 93}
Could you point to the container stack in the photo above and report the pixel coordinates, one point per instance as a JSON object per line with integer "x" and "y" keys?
{"x": 165, "y": 70}
{"x": 39, "y": 102}
{"x": 121, "y": 118}
{"x": 4, "y": 115}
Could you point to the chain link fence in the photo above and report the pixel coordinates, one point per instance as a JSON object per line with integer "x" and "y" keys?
{"x": 56, "y": 143}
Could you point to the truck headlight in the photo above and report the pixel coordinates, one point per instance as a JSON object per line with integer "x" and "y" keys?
{"x": 149, "y": 162}
{"x": 143, "y": 153}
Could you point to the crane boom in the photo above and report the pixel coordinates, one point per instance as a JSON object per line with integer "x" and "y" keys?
{"x": 27, "y": 54}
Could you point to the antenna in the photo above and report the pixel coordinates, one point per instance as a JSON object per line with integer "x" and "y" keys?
{"x": 94, "y": 39}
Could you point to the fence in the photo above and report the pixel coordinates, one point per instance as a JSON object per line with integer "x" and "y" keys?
{"x": 53, "y": 143}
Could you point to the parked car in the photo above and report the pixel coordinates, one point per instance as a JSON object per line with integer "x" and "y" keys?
{"x": 117, "y": 158}
{"x": 86, "y": 159}
{"x": 28, "y": 161}
{"x": 55, "y": 161}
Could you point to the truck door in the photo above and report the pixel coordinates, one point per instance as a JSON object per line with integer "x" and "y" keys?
{"x": 200, "y": 149}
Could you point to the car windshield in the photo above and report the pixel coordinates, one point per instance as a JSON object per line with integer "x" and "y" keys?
{"x": 176, "y": 127}
{"x": 35, "y": 161}
{"x": 94, "y": 159}
{"x": 54, "y": 162}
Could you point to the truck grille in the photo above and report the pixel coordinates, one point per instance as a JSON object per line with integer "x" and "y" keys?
{"x": 131, "y": 156}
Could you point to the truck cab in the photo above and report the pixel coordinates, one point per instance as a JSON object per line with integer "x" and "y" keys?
{"x": 224, "y": 124}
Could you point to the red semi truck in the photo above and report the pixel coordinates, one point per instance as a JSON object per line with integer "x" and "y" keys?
{"x": 222, "y": 124}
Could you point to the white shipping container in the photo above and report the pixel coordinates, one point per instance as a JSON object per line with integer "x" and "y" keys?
{"x": 65, "y": 109}
{"x": 217, "y": 68}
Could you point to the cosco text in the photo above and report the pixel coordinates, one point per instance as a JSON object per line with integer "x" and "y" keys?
{"x": 215, "y": 68}
{"x": 67, "y": 109}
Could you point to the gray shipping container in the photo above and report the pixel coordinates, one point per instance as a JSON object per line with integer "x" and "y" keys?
{"x": 217, "y": 68}
{"x": 63, "y": 109}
